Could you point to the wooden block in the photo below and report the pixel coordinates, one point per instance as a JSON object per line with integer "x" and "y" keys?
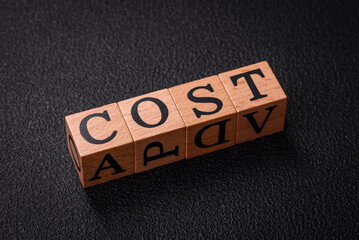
{"x": 156, "y": 127}
{"x": 258, "y": 98}
{"x": 208, "y": 113}
{"x": 100, "y": 145}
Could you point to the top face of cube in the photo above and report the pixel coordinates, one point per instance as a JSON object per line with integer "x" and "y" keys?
{"x": 98, "y": 129}
{"x": 202, "y": 100}
{"x": 252, "y": 86}
{"x": 151, "y": 114}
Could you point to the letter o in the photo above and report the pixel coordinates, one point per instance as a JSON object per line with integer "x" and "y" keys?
{"x": 77, "y": 159}
{"x": 163, "y": 108}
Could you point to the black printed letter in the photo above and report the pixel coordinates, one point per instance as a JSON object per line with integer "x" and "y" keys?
{"x": 77, "y": 159}
{"x": 163, "y": 108}
{"x": 254, "y": 123}
{"x": 160, "y": 155}
{"x": 252, "y": 86}
{"x": 221, "y": 134}
{"x": 85, "y": 133}
{"x": 113, "y": 164}
{"x": 204, "y": 100}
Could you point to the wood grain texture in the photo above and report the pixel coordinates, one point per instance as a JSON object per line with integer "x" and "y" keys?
{"x": 258, "y": 98}
{"x": 158, "y": 129}
{"x": 108, "y": 140}
{"x": 203, "y": 103}
{"x": 169, "y": 125}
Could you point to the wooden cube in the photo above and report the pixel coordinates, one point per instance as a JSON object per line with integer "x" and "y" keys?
{"x": 100, "y": 145}
{"x": 258, "y": 98}
{"x": 208, "y": 113}
{"x": 156, "y": 127}
{"x": 168, "y": 125}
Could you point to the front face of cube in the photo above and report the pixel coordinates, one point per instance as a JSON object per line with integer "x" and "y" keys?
{"x": 100, "y": 145}
{"x": 208, "y": 113}
{"x": 259, "y": 100}
{"x": 157, "y": 129}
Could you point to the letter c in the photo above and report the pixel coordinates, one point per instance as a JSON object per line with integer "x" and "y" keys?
{"x": 85, "y": 133}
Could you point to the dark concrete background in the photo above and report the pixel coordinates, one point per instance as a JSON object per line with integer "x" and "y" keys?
{"x": 64, "y": 57}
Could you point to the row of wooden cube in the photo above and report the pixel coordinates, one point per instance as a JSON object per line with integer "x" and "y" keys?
{"x": 168, "y": 125}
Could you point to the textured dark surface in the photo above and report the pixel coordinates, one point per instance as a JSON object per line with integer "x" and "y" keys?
{"x": 66, "y": 57}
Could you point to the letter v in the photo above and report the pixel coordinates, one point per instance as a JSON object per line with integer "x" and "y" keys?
{"x": 254, "y": 123}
